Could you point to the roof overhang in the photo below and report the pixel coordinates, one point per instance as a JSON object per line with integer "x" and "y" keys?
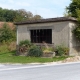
{"x": 58, "y": 19}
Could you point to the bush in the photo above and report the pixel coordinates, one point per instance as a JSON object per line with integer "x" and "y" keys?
{"x": 4, "y": 48}
{"x": 50, "y": 49}
{"x": 35, "y": 51}
{"x": 76, "y": 32}
{"x": 7, "y": 34}
{"x": 62, "y": 50}
{"x": 24, "y": 46}
{"x": 7, "y": 47}
{"x": 25, "y": 43}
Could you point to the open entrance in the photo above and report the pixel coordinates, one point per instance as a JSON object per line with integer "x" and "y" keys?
{"x": 40, "y": 35}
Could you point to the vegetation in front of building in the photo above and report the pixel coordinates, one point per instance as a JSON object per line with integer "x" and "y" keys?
{"x": 47, "y": 50}
{"x": 30, "y": 49}
{"x": 8, "y": 51}
{"x": 8, "y": 54}
{"x": 9, "y": 57}
{"x": 61, "y": 50}
{"x": 35, "y": 51}
{"x": 38, "y": 51}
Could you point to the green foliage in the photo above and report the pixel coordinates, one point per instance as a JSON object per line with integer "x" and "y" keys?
{"x": 62, "y": 50}
{"x": 7, "y": 15}
{"x": 6, "y": 34}
{"x": 24, "y": 46}
{"x": 35, "y": 17}
{"x": 4, "y": 48}
{"x": 35, "y": 51}
{"x": 8, "y": 57}
{"x": 72, "y": 8}
{"x": 78, "y": 16}
{"x": 76, "y": 32}
{"x": 7, "y": 47}
{"x": 50, "y": 49}
{"x": 25, "y": 43}
{"x": 16, "y": 15}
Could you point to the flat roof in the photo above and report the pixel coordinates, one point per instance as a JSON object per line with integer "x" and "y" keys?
{"x": 57, "y": 19}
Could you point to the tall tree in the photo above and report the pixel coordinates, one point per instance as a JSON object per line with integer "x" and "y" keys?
{"x": 74, "y": 11}
{"x": 16, "y": 15}
{"x": 22, "y": 15}
{"x": 35, "y": 17}
{"x": 74, "y": 8}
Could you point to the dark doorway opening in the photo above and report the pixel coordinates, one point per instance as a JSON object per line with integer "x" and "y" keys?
{"x": 40, "y": 35}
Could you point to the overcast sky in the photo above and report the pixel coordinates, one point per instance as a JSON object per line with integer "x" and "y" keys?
{"x": 45, "y": 8}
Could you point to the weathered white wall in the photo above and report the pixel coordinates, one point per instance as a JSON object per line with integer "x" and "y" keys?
{"x": 74, "y": 43}
{"x": 60, "y": 31}
{"x": 22, "y": 33}
{"x": 61, "y": 34}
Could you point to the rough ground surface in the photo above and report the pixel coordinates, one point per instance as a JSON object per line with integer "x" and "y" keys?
{"x": 71, "y": 59}
{"x": 67, "y": 60}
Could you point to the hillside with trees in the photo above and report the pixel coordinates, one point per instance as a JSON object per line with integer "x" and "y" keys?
{"x": 8, "y": 17}
{"x": 16, "y": 15}
{"x": 8, "y": 29}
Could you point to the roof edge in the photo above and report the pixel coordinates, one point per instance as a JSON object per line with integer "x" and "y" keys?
{"x": 57, "y": 19}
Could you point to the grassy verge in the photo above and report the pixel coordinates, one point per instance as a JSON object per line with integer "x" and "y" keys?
{"x": 8, "y": 57}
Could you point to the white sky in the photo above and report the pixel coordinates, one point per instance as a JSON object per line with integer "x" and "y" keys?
{"x": 45, "y": 8}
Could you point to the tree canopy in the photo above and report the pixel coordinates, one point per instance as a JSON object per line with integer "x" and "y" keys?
{"x": 16, "y": 15}
{"x": 74, "y": 11}
{"x": 74, "y": 8}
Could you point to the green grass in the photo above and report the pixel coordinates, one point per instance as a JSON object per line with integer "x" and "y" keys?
{"x": 8, "y": 57}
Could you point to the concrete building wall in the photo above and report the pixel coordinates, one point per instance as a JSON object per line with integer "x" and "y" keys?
{"x": 22, "y": 33}
{"x": 60, "y": 31}
{"x": 74, "y": 43}
{"x": 61, "y": 34}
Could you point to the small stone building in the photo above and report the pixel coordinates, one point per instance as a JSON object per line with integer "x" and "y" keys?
{"x": 55, "y": 31}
